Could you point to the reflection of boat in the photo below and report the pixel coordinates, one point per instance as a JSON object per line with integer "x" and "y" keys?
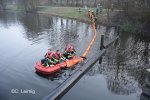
{"x": 51, "y": 69}
{"x": 52, "y": 77}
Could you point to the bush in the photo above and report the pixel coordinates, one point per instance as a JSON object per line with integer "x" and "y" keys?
{"x": 132, "y": 27}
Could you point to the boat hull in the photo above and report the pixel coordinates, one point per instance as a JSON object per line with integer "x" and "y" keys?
{"x": 51, "y": 69}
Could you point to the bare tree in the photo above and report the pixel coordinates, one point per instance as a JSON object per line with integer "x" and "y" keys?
{"x": 3, "y": 4}
{"x": 61, "y": 2}
{"x": 56, "y": 2}
{"x": 50, "y": 2}
{"x": 67, "y": 2}
{"x": 72, "y": 2}
{"x": 29, "y": 5}
{"x": 95, "y": 1}
{"x": 77, "y": 4}
{"x": 82, "y": 3}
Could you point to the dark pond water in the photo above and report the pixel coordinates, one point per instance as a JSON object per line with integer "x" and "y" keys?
{"x": 122, "y": 74}
{"x": 25, "y": 38}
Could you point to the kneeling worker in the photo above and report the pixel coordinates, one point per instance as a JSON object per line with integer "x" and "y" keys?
{"x": 69, "y": 51}
{"x": 51, "y": 58}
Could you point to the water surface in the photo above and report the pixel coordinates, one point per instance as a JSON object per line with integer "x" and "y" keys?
{"x": 25, "y": 39}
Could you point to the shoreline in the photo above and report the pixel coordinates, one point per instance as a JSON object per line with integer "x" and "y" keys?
{"x": 66, "y": 12}
{"x": 66, "y": 17}
{"x": 70, "y": 13}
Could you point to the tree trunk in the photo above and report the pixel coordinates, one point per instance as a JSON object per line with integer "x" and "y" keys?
{"x": 146, "y": 3}
{"x": 118, "y": 3}
{"x": 72, "y": 2}
{"x": 67, "y": 2}
{"x": 82, "y": 3}
{"x": 95, "y": 3}
{"x": 76, "y": 3}
{"x": 61, "y": 2}
{"x": 56, "y": 2}
{"x": 88, "y": 4}
{"x": 2, "y": 4}
{"x": 50, "y": 2}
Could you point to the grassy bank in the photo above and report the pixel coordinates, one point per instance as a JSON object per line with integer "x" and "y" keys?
{"x": 68, "y": 12}
{"x": 130, "y": 22}
{"x": 14, "y": 8}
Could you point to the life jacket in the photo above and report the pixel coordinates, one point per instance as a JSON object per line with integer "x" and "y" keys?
{"x": 48, "y": 54}
{"x": 69, "y": 48}
{"x": 52, "y": 54}
{"x": 59, "y": 54}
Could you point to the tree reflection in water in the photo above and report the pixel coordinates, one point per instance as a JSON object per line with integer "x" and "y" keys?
{"x": 50, "y": 29}
{"x": 124, "y": 65}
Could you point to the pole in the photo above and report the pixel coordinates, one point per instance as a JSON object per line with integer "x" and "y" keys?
{"x": 102, "y": 42}
{"x": 101, "y": 47}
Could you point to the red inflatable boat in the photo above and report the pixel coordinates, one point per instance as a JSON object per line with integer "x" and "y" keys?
{"x": 51, "y": 69}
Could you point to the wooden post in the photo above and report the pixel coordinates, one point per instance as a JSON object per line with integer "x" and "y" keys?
{"x": 100, "y": 60}
{"x": 101, "y": 47}
{"x": 79, "y": 10}
{"x": 117, "y": 30}
{"x": 102, "y": 42}
{"x": 100, "y": 8}
{"x": 97, "y": 11}
{"x": 116, "y": 42}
